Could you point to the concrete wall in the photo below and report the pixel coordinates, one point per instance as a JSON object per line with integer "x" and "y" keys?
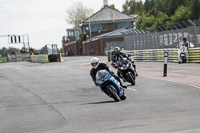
{"x": 39, "y": 58}
{"x": 19, "y": 57}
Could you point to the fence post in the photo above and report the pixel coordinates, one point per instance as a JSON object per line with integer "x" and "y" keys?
{"x": 165, "y": 64}
{"x": 132, "y": 57}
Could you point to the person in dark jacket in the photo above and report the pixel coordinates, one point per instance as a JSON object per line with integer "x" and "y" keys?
{"x": 102, "y": 66}
{"x": 115, "y": 56}
{"x": 185, "y": 43}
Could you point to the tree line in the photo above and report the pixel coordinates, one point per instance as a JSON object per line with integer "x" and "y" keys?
{"x": 4, "y": 51}
{"x": 154, "y": 13}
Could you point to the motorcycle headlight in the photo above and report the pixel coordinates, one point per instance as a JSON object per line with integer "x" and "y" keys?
{"x": 121, "y": 68}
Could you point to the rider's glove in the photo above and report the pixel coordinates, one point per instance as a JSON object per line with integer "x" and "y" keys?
{"x": 114, "y": 65}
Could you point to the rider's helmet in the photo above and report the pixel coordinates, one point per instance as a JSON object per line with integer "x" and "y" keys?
{"x": 184, "y": 39}
{"x": 94, "y": 62}
{"x": 116, "y": 50}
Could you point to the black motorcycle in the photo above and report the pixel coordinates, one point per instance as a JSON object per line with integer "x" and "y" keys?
{"x": 126, "y": 70}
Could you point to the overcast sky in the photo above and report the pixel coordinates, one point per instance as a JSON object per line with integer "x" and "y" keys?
{"x": 43, "y": 20}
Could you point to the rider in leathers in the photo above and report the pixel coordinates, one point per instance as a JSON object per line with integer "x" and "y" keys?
{"x": 102, "y": 66}
{"x": 115, "y": 57}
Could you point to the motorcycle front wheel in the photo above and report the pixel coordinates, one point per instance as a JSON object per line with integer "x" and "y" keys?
{"x": 113, "y": 93}
{"x": 131, "y": 77}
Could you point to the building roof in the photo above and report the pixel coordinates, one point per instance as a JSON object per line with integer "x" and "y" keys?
{"x": 73, "y": 29}
{"x": 108, "y": 14}
{"x": 116, "y": 33}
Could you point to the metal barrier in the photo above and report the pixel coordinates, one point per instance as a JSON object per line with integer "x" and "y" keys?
{"x": 157, "y": 55}
{"x": 161, "y": 37}
{"x": 194, "y": 55}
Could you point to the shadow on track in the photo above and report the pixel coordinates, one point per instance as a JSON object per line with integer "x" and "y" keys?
{"x": 103, "y": 102}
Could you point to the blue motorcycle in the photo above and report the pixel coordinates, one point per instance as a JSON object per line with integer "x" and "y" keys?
{"x": 110, "y": 85}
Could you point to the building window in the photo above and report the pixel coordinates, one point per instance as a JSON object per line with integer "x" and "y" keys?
{"x": 71, "y": 33}
{"x": 115, "y": 26}
{"x": 122, "y": 25}
{"x": 98, "y": 27}
{"x": 77, "y": 33}
{"x": 104, "y": 27}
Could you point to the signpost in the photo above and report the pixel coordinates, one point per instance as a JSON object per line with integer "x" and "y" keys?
{"x": 17, "y": 39}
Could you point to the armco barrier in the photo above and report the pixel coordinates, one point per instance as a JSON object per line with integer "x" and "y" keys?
{"x": 3, "y": 59}
{"x": 39, "y": 58}
{"x": 194, "y": 55}
{"x": 146, "y": 55}
{"x": 158, "y": 55}
{"x": 175, "y": 55}
{"x": 152, "y": 55}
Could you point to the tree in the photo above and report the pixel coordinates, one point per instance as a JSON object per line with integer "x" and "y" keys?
{"x": 173, "y": 5}
{"x": 159, "y": 12}
{"x": 147, "y": 5}
{"x": 181, "y": 14}
{"x": 3, "y": 51}
{"x": 144, "y": 22}
{"x": 139, "y": 7}
{"x": 152, "y": 4}
{"x": 126, "y": 7}
{"x": 152, "y": 20}
{"x": 113, "y": 7}
{"x": 161, "y": 19}
{"x": 132, "y": 7}
{"x": 78, "y": 13}
{"x": 195, "y": 9}
{"x": 42, "y": 50}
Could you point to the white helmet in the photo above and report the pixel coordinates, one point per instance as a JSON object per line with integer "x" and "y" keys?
{"x": 94, "y": 62}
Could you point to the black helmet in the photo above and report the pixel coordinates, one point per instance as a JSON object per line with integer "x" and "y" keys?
{"x": 116, "y": 50}
{"x": 184, "y": 38}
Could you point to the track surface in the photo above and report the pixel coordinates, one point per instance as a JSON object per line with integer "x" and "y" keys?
{"x": 61, "y": 97}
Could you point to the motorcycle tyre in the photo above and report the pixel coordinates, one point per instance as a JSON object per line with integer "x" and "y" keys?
{"x": 182, "y": 59}
{"x": 123, "y": 97}
{"x": 132, "y": 80}
{"x": 112, "y": 92}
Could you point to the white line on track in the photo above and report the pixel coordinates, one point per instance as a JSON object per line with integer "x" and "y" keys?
{"x": 180, "y": 83}
{"x": 131, "y": 89}
{"x": 190, "y": 131}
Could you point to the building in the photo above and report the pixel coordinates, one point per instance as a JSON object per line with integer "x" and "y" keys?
{"x": 102, "y": 22}
{"x": 106, "y": 20}
{"x": 71, "y": 39}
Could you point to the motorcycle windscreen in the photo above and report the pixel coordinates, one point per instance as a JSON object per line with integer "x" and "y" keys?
{"x": 122, "y": 62}
{"x": 102, "y": 76}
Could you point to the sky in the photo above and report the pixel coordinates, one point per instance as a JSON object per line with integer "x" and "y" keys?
{"x": 42, "y": 20}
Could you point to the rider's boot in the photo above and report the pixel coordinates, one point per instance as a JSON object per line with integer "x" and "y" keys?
{"x": 136, "y": 73}
{"x": 123, "y": 86}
